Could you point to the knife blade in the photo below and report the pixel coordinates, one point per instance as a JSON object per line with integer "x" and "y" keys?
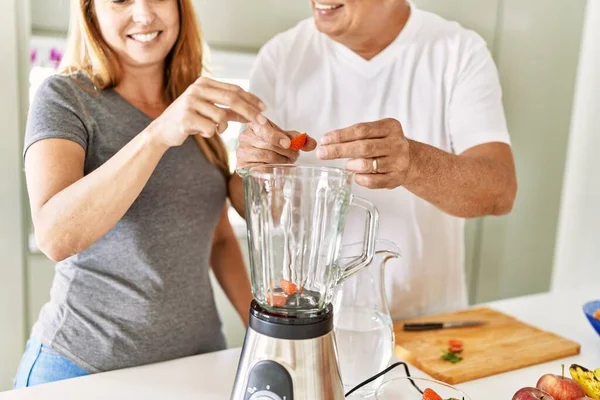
{"x": 426, "y": 326}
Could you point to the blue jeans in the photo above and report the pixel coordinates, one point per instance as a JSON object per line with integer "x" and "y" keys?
{"x": 41, "y": 364}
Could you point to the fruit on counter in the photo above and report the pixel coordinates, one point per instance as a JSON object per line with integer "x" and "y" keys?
{"x": 597, "y": 314}
{"x": 588, "y": 380}
{"x": 560, "y": 387}
{"x": 430, "y": 394}
{"x": 531, "y": 393}
{"x": 298, "y": 141}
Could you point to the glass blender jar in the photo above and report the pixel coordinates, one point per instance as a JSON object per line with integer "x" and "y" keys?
{"x": 295, "y": 221}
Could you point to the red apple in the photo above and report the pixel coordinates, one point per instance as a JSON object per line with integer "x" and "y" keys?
{"x": 560, "y": 387}
{"x": 531, "y": 393}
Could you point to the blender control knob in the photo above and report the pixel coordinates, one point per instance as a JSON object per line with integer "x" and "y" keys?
{"x": 264, "y": 395}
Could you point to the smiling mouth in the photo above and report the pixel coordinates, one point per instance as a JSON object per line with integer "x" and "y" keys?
{"x": 326, "y": 7}
{"x": 144, "y": 37}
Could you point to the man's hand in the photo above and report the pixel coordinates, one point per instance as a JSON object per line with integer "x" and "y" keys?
{"x": 268, "y": 144}
{"x": 378, "y": 152}
{"x": 480, "y": 181}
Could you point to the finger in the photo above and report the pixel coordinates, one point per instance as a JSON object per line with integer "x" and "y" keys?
{"x": 367, "y": 166}
{"x": 310, "y": 145}
{"x": 368, "y": 148}
{"x": 222, "y": 127}
{"x": 232, "y": 100}
{"x": 272, "y": 135}
{"x": 248, "y": 154}
{"x": 250, "y": 139}
{"x": 217, "y": 114}
{"x": 376, "y": 181}
{"x": 355, "y": 132}
{"x": 235, "y": 117}
{"x": 250, "y": 97}
{"x": 199, "y": 125}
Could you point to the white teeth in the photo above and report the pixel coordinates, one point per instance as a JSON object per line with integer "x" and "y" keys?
{"x": 144, "y": 37}
{"x": 320, "y": 6}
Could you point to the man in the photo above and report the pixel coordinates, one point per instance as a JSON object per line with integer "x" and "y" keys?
{"x": 412, "y": 104}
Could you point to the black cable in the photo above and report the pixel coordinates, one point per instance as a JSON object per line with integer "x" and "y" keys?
{"x": 385, "y": 371}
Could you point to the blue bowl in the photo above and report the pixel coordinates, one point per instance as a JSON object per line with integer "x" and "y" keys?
{"x": 589, "y": 309}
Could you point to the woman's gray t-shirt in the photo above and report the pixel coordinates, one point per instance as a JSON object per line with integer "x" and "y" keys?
{"x": 141, "y": 293}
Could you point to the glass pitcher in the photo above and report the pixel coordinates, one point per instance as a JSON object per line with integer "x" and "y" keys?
{"x": 362, "y": 322}
{"x": 295, "y": 217}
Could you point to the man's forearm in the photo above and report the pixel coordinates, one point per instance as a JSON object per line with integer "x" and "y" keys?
{"x": 472, "y": 184}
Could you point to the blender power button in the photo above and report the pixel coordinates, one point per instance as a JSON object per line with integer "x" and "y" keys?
{"x": 264, "y": 395}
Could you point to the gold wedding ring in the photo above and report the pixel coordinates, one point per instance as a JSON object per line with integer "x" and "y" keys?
{"x": 375, "y": 165}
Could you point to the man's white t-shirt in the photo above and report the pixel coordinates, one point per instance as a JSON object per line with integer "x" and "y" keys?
{"x": 439, "y": 80}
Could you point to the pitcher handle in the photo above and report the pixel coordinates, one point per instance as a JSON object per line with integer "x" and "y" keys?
{"x": 368, "y": 250}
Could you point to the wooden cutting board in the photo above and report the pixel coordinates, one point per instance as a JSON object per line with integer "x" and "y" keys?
{"x": 504, "y": 344}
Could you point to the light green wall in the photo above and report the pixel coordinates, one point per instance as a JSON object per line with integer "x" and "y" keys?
{"x": 537, "y": 50}
{"x": 12, "y": 251}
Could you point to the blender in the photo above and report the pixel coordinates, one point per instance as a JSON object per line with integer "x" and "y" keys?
{"x": 295, "y": 219}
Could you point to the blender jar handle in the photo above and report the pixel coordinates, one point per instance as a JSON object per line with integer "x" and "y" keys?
{"x": 368, "y": 250}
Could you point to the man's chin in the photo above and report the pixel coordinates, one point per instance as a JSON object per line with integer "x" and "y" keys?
{"x": 328, "y": 28}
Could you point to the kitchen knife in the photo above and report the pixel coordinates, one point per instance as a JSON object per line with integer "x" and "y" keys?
{"x": 427, "y": 326}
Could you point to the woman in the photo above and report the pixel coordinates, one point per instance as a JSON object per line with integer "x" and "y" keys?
{"x": 127, "y": 179}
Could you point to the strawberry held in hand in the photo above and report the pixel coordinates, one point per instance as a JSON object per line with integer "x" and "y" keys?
{"x": 298, "y": 142}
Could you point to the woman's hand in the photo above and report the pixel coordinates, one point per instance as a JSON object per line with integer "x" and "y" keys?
{"x": 197, "y": 112}
{"x": 378, "y": 152}
{"x": 268, "y": 144}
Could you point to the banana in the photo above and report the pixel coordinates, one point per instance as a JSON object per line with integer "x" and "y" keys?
{"x": 588, "y": 380}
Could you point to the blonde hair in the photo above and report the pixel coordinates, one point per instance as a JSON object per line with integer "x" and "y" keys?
{"x": 88, "y": 52}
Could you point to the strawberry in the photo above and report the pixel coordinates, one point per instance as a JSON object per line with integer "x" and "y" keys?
{"x": 288, "y": 287}
{"x": 276, "y": 299}
{"x": 455, "y": 345}
{"x": 298, "y": 141}
{"x": 429, "y": 394}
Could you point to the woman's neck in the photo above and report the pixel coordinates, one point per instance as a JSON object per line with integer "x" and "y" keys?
{"x": 144, "y": 89}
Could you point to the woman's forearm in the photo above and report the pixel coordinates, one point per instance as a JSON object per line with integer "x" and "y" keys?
{"x": 229, "y": 269}
{"x": 80, "y": 214}
{"x": 236, "y": 194}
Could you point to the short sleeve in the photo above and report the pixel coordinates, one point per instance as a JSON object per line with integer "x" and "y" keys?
{"x": 55, "y": 113}
{"x": 263, "y": 80}
{"x": 476, "y": 112}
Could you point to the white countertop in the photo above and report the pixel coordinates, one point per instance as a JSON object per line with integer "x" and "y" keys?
{"x": 210, "y": 376}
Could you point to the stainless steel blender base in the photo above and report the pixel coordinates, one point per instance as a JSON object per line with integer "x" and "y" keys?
{"x": 311, "y": 366}
{"x": 287, "y": 359}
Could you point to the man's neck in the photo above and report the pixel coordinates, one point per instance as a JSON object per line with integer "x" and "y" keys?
{"x": 374, "y": 42}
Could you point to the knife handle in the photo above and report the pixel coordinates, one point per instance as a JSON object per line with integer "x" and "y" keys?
{"x": 423, "y": 326}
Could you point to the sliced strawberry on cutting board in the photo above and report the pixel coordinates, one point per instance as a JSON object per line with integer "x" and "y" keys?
{"x": 455, "y": 345}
